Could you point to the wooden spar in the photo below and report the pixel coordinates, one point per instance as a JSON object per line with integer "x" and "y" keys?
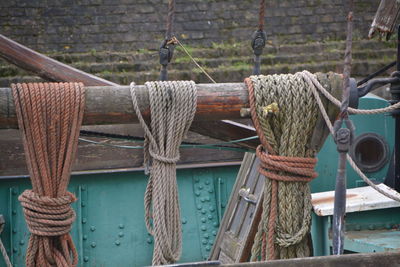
{"x": 53, "y": 70}
{"x": 45, "y": 67}
{"x": 385, "y": 18}
{"x": 113, "y": 104}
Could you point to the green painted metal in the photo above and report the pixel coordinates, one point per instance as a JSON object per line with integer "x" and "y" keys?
{"x": 381, "y": 124}
{"x": 110, "y": 230}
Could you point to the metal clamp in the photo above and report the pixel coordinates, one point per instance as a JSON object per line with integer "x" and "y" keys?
{"x": 247, "y": 196}
{"x": 166, "y": 52}
{"x": 258, "y": 41}
{"x": 344, "y": 136}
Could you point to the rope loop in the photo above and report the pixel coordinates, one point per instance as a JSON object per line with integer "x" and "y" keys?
{"x": 47, "y": 216}
{"x": 288, "y": 169}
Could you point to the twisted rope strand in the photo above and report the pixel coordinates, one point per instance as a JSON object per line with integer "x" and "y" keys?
{"x": 172, "y": 109}
{"x": 49, "y": 116}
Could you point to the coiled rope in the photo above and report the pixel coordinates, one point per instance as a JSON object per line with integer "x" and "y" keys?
{"x": 172, "y": 109}
{"x": 287, "y": 161}
{"x": 50, "y": 116}
{"x": 2, "y": 248}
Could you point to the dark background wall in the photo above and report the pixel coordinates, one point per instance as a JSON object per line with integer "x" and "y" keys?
{"x": 121, "y": 25}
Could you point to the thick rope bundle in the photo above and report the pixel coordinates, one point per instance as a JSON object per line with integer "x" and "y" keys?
{"x": 172, "y": 109}
{"x": 50, "y": 116}
{"x": 287, "y": 161}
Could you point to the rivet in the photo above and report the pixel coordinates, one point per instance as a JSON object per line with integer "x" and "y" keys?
{"x": 86, "y": 259}
{"x": 15, "y": 250}
{"x": 149, "y": 240}
{"x": 210, "y": 190}
{"x": 14, "y": 212}
{"x": 117, "y": 242}
{"x": 83, "y": 204}
{"x": 199, "y": 207}
{"x": 223, "y": 205}
{"x": 203, "y": 228}
{"x": 215, "y": 224}
{"x": 214, "y": 233}
{"x": 204, "y": 242}
{"x": 121, "y": 226}
{"x": 14, "y": 191}
{"x": 184, "y": 221}
{"x": 202, "y": 199}
{"x": 92, "y": 228}
{"x": 83, "y": 188}
{"x": 208, "y": 198}
{"x": 371, "y": 227}
{"x": 210, "y": 217}
{"x": 203, "y": 220}
{"x": 358, "y": 227}
{"x": 207, "y": 182}
{"x": 14, "y": 231}
{"x": 206, "y": 236}
{"x": 22, "y": 242}
{"x": 197, "y": 193}
{"x": 84, "y": 220}
{"x": 203, "y": 211}
{"x": 196, "y": 179}
{"x": 84, "y": 237}
{"x": 93, "y": 245}
{"x": 120, "y": 234}
{"x": 212, "y": 208}
{"x": 208, "y": 248}
{"x": 211, "y": 242}
{"x": 200, "y": 187}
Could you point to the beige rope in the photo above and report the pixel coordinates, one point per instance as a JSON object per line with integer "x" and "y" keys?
{"x": 2, "y": 248}
{"x": 314, "y": 85}
{"x": 172, "y": 109}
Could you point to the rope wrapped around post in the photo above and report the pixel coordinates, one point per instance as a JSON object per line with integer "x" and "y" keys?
{"x": 50, "y": 116}
{"x": 172, "y": 108}
{"x": 287, "y": 154}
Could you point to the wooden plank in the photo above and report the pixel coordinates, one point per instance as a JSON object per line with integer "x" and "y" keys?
{"x": 96, "y": 157}
{"x": 385, "y": 19}
{"x": 357, "y": 199}
{"x": 238, "y": 227}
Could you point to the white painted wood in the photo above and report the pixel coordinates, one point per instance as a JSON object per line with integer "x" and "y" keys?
{"x": 357, "y": 199}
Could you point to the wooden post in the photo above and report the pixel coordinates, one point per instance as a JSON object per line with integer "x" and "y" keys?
{"x": 385, "y": 18}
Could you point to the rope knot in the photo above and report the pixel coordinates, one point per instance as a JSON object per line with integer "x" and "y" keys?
{"x": 47, "y": 216}
{"x": 164, "y": 159}
{"x": 295, "y": 169}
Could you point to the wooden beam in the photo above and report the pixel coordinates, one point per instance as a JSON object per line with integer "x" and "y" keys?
{"x": 113, "y": 104}
{"x": 45, "y": 67}
{"x": 385, "y": 19}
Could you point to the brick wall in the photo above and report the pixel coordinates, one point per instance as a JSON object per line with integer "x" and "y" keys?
{"x": 121, "y": 25}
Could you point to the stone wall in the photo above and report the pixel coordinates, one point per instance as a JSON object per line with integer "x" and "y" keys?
{"x": 122, "y": 25}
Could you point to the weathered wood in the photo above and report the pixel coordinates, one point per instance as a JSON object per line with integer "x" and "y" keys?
{"x": 54, "y": 70}
{"x": 92, "y": 157}
{"x": 113, "y": 105}
{"x": 238, "y": 228}
{"x": 43, "y": 66}
{"x": 385, "y": 18}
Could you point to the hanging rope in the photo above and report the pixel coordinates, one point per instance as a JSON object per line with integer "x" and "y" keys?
{"x": 287, "y": 161}
{"x": 259, "y": 38}
{"x": 2, "y": 248}
{"x": 172, "y": 109}
{"x": 49, "y": 116}
{"x": 168, "y": 44}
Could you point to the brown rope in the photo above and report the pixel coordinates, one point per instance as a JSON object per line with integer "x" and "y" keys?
{"x": 277, "y": 168}
{"x": 261, "y": 15}
{"x": 49, "y": 116}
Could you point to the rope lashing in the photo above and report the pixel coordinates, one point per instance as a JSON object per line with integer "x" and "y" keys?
{"x": 287, "y": 161}
{"x": 49, "y": 116}
{"x": 259, "y": 38}
{"x": 172, "y": 108}
{"x": 168, "y": 44}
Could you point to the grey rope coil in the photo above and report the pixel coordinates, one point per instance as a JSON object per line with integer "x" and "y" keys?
{"x": 172, "y": 109}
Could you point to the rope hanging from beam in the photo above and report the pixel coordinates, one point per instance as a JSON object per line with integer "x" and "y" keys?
{"x": 285, "y": 116}
{"x": 50, "y": 116}
{"x": 172, "y": 108}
